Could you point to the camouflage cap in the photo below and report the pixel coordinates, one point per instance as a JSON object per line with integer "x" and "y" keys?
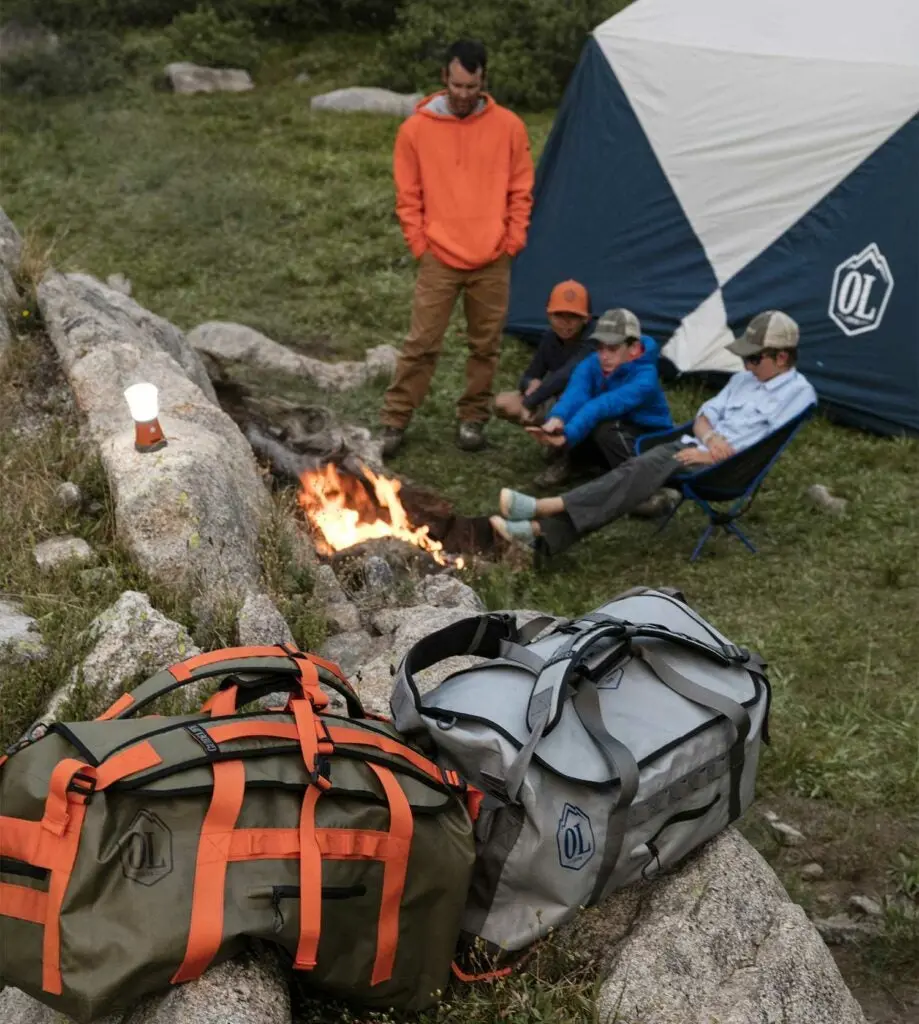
{"x": 770, "y": 330}
{"x": 616, "y": 327}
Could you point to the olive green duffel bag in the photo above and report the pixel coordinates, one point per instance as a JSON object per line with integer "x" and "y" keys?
{"x": 137, "y": 851}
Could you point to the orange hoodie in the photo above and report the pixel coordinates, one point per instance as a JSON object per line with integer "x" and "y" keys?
{"x": 463, "y": 185}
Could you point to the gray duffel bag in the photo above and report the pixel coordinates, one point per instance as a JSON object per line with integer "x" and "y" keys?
{"x": 607, "y": 750}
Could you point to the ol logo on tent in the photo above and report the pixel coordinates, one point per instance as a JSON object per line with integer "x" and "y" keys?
{"x": 861, "y": 289}
{"x": 575, "y": 838}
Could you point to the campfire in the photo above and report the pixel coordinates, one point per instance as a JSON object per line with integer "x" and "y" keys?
{"x": 343, "y": 512}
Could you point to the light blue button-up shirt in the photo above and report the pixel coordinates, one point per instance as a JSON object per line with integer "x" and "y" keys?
{"x": 747, "y": 410}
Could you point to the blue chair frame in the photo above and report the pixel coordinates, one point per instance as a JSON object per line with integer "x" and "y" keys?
{"x": 734, "y": 481}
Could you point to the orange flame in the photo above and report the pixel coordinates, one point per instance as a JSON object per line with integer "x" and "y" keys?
{"x": 339, "y": 508}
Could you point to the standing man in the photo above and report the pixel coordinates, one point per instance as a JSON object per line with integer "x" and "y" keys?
{"x": 464, "y": 180}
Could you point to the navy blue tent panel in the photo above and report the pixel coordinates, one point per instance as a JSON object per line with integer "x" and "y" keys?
{"x": 859, "y": 319}
{"x": 602, "y": 206}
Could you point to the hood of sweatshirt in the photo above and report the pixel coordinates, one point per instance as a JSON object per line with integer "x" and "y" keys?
{"x": 436, "y": 106}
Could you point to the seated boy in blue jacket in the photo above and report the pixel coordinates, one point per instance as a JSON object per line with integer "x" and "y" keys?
{"x": 613, "y": 396}
{"x": 559, "y": 351}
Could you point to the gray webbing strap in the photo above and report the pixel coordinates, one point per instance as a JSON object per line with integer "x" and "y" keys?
{"x": 530, "y": 630}
{"x": 516, "y": 772}
{"x": 621, "y": 763}
{"x": 735, "y": 713}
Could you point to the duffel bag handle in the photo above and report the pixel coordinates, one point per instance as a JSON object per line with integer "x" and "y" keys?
{"x": 280, "y": 667}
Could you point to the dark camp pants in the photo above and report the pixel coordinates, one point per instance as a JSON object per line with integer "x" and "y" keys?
{"x": 610, "y": 496}
{"x": 608, "y": 445}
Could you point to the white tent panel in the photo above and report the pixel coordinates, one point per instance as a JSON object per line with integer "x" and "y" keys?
{"x": 879, "y": 32}
{"x": 751, "y": 142}
{"x": 699, "y": 342}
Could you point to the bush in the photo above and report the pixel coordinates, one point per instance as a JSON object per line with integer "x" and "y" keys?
{"x": 67, "y": 15}
{"x": 203, "y": 37}
{"x": 533, "y": 45}
{"x": 84, "y": 61}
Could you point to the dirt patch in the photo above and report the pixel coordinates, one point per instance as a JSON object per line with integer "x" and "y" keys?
{"x": 859, "y": 853}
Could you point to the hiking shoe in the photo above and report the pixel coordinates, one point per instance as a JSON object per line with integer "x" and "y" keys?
{"x": 554, "y": 475}
{"x": 515, "y": 506}
{"x": 392, "y": 440}
{"x": 521, "y": 533}
{"x": 657, "y": 505}
{"x": 470, "y": 436}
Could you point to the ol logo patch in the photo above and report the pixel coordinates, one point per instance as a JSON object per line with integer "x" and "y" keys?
{"x": 146, "y": 849}
{"x": 575, "y": 838}
{"x": 861, "y": 290}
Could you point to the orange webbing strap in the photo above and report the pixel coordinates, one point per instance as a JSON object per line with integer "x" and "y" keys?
{"x": 502, "y": 972}
{"x": 222, "y": 703}
{"x": 65, "y": 809}
{"x": 183, "y": 670}
{"x": 138, "y": 758}
{"x": 395, "y": 868}
{"x": 23, "y": 903}
{"x": 329, "y": 666}
{"x": 124, "y": 701}
{"x": 205, "y": 932}
{"x": 364, "y": 738}
{"x": 310, "y": 884}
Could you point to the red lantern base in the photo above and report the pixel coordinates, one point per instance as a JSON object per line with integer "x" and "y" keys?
{"x": 148, "y": 437}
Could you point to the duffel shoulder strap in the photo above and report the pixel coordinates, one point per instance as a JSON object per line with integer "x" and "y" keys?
{"x": 260, "y": 670}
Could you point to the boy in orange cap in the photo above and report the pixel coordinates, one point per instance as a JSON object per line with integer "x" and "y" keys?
{"x": 559, "y": 351}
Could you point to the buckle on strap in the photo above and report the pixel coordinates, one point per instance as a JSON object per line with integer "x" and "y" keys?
{"x": 83, "y": 785}
{"x": 733, "y": 652}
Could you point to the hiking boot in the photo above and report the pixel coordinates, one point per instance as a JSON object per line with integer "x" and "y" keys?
{"x": 470, "y": 436}
{"x": 392, "y": 440}
{"x": 554, "y": 475}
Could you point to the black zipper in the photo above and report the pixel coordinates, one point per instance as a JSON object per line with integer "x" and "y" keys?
{"x": 292, "y": 892}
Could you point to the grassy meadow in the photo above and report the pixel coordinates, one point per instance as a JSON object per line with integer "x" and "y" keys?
{"x": 251, "y": 208}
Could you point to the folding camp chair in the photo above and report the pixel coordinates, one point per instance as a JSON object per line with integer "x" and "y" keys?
{"x": 736, "y": 480}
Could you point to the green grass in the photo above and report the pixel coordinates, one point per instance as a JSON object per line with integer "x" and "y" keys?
{"x": 253, "y": 209}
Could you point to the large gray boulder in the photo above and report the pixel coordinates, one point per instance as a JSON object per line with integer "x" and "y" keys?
{"x": 188, "y": 78}
{"x": 368, "y": 100}
{"x": 130, "y": 641}
{"x": 231, "y": 345}
{"x": 720, "y": 941}
{"x": 191, "y": 513}
{"x": 248, "y": 990}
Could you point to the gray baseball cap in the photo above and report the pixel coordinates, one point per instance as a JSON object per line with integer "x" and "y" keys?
{"x": 616, "y": 327}
{"x": 770, "y": 330}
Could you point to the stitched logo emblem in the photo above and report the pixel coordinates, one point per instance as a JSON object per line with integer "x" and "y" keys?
{"x": 569, "y": 295}
{"x": 146, "y": 849}
{"x": 575, "y": 838}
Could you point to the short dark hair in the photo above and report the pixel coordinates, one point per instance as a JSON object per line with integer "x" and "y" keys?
{"x": 792, "y": 354}
{"x": 470, "y": 53}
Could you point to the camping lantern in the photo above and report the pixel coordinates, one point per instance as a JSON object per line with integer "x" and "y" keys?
{"x": 143, "y": 401}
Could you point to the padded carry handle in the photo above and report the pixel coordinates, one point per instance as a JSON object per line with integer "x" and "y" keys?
{"x": 484, "y": 636}
{"x": 281, "y": 667}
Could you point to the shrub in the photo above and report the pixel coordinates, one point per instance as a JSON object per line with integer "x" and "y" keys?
{"x": 203, "y": 37}
{"x": 533, "y": 45}
{"x": 67, "y": 15}
{"x": 84, "y": 61}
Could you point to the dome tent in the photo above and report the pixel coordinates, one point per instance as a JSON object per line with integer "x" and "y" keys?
{"x": 714, "y": 158}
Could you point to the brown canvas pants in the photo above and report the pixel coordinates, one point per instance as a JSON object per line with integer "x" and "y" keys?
{"x": 485, "y": 295}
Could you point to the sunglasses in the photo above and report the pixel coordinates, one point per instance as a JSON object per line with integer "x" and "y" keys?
{"x": 757, "y": 358}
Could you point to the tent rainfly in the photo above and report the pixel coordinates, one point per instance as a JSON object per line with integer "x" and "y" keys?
{"x": 715, "y": 158}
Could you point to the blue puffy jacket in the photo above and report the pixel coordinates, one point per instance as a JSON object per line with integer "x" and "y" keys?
{"x": 632, "y": 393}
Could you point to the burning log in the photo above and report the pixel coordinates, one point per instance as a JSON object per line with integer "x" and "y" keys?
{"x": 303, "y": 444}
